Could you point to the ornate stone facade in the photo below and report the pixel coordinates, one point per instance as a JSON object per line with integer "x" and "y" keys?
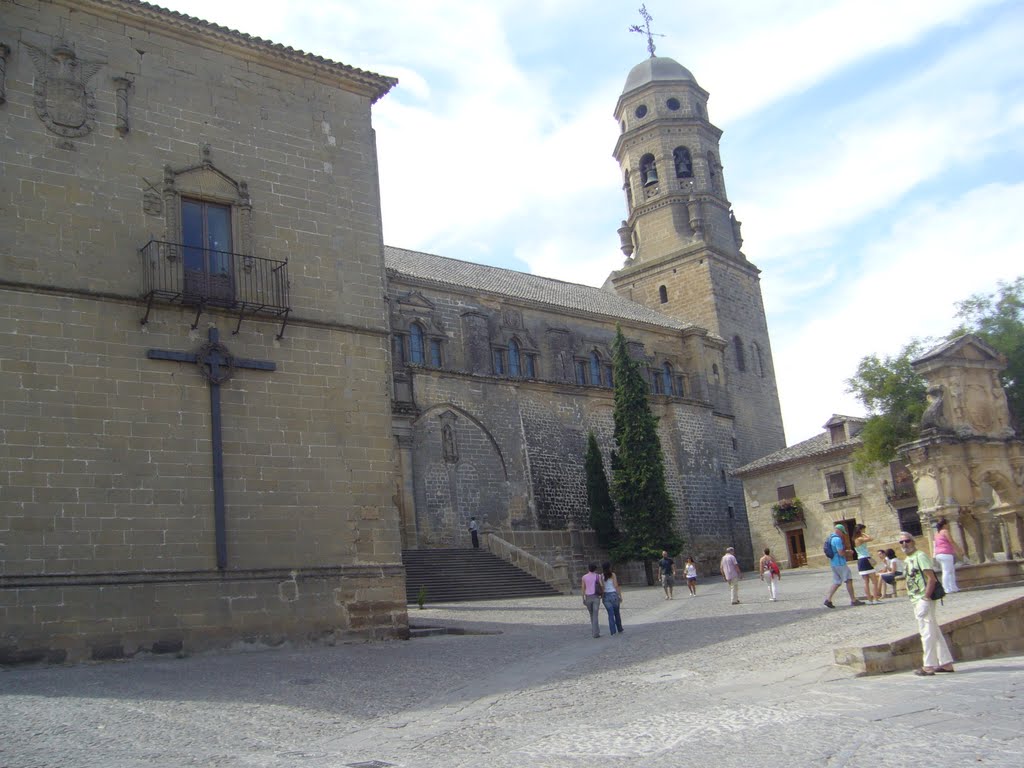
{"x": 968, "y": 464}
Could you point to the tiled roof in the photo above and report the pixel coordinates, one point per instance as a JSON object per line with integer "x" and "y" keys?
{"x": 378, "y": 84}
{"x": 521, "y": 285}
{"x": 819, "y": 445}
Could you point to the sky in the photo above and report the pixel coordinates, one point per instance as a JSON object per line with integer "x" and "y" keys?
{"x": 873, "y": 149}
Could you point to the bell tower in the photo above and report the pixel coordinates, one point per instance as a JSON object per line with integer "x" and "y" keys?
{"x": 682, "y": 241}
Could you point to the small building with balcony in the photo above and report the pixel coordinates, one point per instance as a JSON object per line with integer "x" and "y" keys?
{"x": 794, "y": 497}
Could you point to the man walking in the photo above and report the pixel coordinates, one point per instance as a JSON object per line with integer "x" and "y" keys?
{"x": 840, "y": 570}
{"x": 731, "y": 573}
{"x": 921, "y": 582}
{"x": 474, "y": 533}
{"x": 667, "y": 567}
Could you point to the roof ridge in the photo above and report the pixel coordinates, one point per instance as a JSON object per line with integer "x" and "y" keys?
{"x": 514, "y": 271}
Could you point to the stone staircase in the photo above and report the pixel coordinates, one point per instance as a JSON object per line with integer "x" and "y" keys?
{"x": 454, "y": 575}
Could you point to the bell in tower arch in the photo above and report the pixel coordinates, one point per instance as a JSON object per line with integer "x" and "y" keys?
{"x": 650, "y": 175}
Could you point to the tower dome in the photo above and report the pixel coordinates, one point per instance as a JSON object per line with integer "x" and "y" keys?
{"x": 654, "y": 70}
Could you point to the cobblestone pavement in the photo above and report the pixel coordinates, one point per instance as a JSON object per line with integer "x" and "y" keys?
{"x": 692, "y": 680}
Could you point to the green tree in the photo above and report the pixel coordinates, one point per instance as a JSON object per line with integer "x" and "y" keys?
{"x": 895, "y": 397}
{"x": 599, "y": 498}
{"x": 999, "y": 320}
{"x": 638, "y": 469}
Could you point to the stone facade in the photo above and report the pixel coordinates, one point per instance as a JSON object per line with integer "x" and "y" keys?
{"x": 120, "y": 122}
{"x": 819, "y": 472}
{"x": 509, "y": 448}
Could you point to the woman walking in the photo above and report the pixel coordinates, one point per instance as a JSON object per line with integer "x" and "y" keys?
{"x": 592, "y": 589}
{"x": 864, "y": 565}
{"x": 612, "y": 598}
{"x": 770, "y": 573}
{"x": 691, "y": 576}
{"x": 946, "y": 551}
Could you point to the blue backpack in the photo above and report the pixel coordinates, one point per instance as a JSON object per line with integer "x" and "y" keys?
{"x": 827, "y": 549}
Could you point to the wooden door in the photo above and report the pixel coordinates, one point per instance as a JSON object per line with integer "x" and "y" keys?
{"x": 797, "y": 548}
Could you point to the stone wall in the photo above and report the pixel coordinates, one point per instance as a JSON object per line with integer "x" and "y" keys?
{"x": 105, "y": 475}
{"x": 516, "y": 446}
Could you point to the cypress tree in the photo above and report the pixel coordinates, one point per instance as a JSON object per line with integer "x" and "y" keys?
{"x": 638, "y": 469}
{"x": 599, "y": 498}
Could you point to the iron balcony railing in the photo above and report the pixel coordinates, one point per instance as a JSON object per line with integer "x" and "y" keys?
{"x": 207, "y": 278}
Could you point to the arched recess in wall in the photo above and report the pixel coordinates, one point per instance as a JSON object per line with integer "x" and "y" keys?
{"x": 434, "y": 409}
{"x": 757, "y": 360}
{"x": 663, "y": 294}
{"x": 741, "y": 361}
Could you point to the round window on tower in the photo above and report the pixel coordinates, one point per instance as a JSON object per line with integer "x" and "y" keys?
{"x": 641, "y": 111}
{"x": 673, "y": 104}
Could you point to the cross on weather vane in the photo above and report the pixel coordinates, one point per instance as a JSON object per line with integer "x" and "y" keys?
{"x": 646, "y": 28}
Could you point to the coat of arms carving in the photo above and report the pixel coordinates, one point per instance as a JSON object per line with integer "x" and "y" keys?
{"x": 62, "y": 97}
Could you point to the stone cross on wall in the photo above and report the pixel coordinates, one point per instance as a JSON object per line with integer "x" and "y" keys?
{"x": 217, "y": 365}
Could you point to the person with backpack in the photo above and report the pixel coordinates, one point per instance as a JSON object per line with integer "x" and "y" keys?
{"x": 835, "y": 550}
{"x": 771, "y": 574}
{"x": 923, "y": 589}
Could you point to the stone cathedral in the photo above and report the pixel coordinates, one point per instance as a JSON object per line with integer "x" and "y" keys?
{"x": 499, "y": 375}
{"x": 226, "y": 407}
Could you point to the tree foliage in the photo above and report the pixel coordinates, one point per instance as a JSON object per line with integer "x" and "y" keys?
{"x": 895, "y": 396}
{"x": 599, "y": 498}
{"x": 999, "y": 320}
{"x": 638, "y": 468}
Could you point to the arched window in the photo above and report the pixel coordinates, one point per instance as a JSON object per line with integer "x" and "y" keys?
{"x": 714, "y": 372}
{"x": 741, "y": 363}
{"x": 713, "y": 172}
{"x": 656, "y": 381}
{"x": 684, "y": 163}
{"x": 663, "y": 294}
{"x": 758, "y": 360}
{"x": 595, "y": 369}
{"x": 648, "y": 171}
{"x": 513, "y": 359}
{"x": 416, "y": 343}
{"x": 666, "y": 373}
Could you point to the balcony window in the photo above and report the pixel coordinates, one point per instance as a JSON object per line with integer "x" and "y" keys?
{"x": 206, "y": 237}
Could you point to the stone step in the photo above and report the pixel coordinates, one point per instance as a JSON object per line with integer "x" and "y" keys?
{"x": 455, "y": 575}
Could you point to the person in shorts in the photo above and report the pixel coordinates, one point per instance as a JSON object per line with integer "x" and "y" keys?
{"x": 840, "y": 570}
{"x": 691, "y": 576}
{"x": 667, "y": 568}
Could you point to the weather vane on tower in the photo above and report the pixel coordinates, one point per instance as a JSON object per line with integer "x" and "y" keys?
{"x": 646, "y": 28}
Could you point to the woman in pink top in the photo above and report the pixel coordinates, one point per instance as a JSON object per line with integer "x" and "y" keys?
{"x": 591, "y": 585}
{"x": 945, "y": 551}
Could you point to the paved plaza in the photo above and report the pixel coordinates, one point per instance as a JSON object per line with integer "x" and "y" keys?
{"x": 692, "y": 681}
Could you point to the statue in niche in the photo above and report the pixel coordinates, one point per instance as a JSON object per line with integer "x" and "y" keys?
{"x": 448, "y": 447}
{"x": 62, "y": 98}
